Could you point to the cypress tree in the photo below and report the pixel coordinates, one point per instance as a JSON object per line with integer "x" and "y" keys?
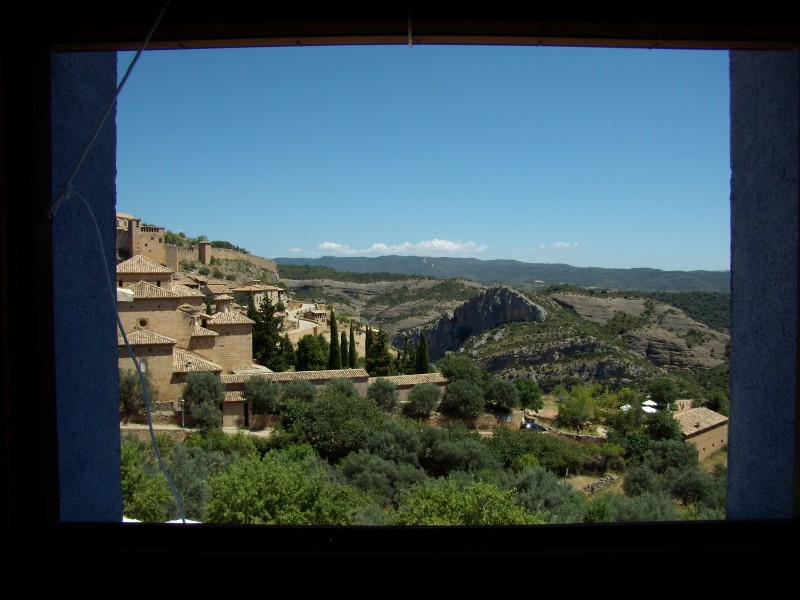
{"x": 353, "y": 355}
{"x": 335, "y": 356}
{"x": 343, "y": 350}
{"x": 368, "y": 344}
{"x": 422, "y": 355}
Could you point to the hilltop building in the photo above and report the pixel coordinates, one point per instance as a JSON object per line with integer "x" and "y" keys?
{"x": 149, "y": 241}
{"x": 172, "y": 335}
{"x": 703, "y": 428}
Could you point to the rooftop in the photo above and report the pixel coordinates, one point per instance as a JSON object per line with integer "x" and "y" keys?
{"x": 198, "y": 331}
{"x": 142, "y": 264}
{"x": 185, "y": 291}
{"x": 143, "y": 289}
{"x": 697, "y": 420}
{"x": 184, "y": 361}
{"x": 142, "y": 337}
{"x": 229, "y": 318}
{"x": 295, "y": 375}
{"x": 417, "y": 379}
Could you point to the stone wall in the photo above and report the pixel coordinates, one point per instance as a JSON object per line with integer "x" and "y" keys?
{"x": 158, "y": 361}
{"x": 159, "y": 315}
{"x": 709, "y": 441}
{"x": 173, "y": 255}
{"x": 233, "y": 347}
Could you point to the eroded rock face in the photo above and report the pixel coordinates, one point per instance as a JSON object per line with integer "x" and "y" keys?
{"x": 495, "y": 306}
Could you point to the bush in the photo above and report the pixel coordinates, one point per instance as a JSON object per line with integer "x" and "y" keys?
{"x": 262, "y": 394}
{"x": 384, "y": 393}
{"x": 340, "y": 386}
{"x": 463, "y": 399}
{"x": 501, "y": 396}
{"x": 230, "y": 277}
{"x": 298, "y": 389}
{"x": 422, "y": 400}
{"x": 458, "y": 368}
{"x": 218, "y": 274}
{"x": 204, "y": 270}
{"x": 204, "y": 394}
{"x": 131, "y": 400}
{"x": 336, "y": 424}
{"x": 530, "y": 395}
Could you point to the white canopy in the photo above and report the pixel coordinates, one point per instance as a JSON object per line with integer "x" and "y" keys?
{"x": 649, "y": 403}
{"x": 649, "y": 409}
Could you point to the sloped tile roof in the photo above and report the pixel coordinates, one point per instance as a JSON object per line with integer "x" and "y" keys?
{"x": 184, "y": 361}
{"x": 229, "y": 318}
{"x": 142, "y": 337}
{"x": 217, "y": 288}
{"x": 413, "y": 379}
{"x": 697, "y": 420}
{"x": 142, "y": 264}
{"x": 224, "y": 297}
{"x": 198, "y": 331}
{"x": 143, "y": 289}
{"x": 184, "y": 291}
{"x": 295, "y": 375}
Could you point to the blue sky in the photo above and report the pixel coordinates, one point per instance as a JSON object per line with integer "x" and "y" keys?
{"x": 591, "y": 157}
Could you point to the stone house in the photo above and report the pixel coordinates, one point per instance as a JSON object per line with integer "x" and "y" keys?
{"x": 135, "y": 239}
{"x": 259, "y": 292}
{"x": 169, "y": 331}
{"x": 705, "y": 429}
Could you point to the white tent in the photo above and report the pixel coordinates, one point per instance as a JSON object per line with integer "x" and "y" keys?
{"x": 649, "y": 403}
{"x": 625, "y": 407}
{"x": 649, "y": 409}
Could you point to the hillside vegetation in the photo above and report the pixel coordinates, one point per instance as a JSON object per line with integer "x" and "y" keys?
{"x": 526, "y": 275}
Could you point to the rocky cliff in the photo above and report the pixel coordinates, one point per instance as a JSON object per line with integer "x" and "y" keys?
{"x": 493, "y": 307}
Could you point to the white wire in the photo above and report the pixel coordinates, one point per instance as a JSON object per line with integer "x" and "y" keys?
{"x": 65, "y": 192}
{"x": 65, "y": 189}
{"x": 142, "y": 382}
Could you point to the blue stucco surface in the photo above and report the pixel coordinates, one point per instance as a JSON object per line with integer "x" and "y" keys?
{"x": 85, "y": 331}
{"x": 764, "y": 195}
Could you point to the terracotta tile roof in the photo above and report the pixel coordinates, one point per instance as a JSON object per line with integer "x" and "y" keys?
{"x": 547, "y": 413}
{"x": 143, "y": 289}
{"x": 413, "y": 379}
{"x": 234, "y": 396}
{"x": 256, "y": 288}
{"x": 126, "y": 216}
{"x": 142, "y": 337}
{"x": 229, "y": 318}
{"x": 697, "y": 420}
{"x": 294, "y": 375}
{"x": 224, "y": 297}
{"x": 187, "y": 307}
{"x": 184, "y": 291}
{"x": 184, "y": 361}
{"x": 142, "y": 264}
{"x": 217, "y": 288}
{"x": 198, "y": 331}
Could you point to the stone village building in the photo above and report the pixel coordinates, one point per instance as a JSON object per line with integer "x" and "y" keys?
{"x": 171, "y": 334}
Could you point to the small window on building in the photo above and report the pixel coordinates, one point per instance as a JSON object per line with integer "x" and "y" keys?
{"x": 143, "y": 364}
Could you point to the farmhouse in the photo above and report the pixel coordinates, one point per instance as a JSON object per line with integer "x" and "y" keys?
{"x": 705, "y": 429}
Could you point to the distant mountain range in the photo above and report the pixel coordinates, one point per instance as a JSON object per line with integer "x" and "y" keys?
{"x": 526, "y": 275}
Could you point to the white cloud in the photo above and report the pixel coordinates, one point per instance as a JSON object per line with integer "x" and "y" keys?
{"x": 426, "y": 247}
{"x": 296, "y": 250}
{"x": 559, "y": 245}
{"x": 337, "y": 248}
